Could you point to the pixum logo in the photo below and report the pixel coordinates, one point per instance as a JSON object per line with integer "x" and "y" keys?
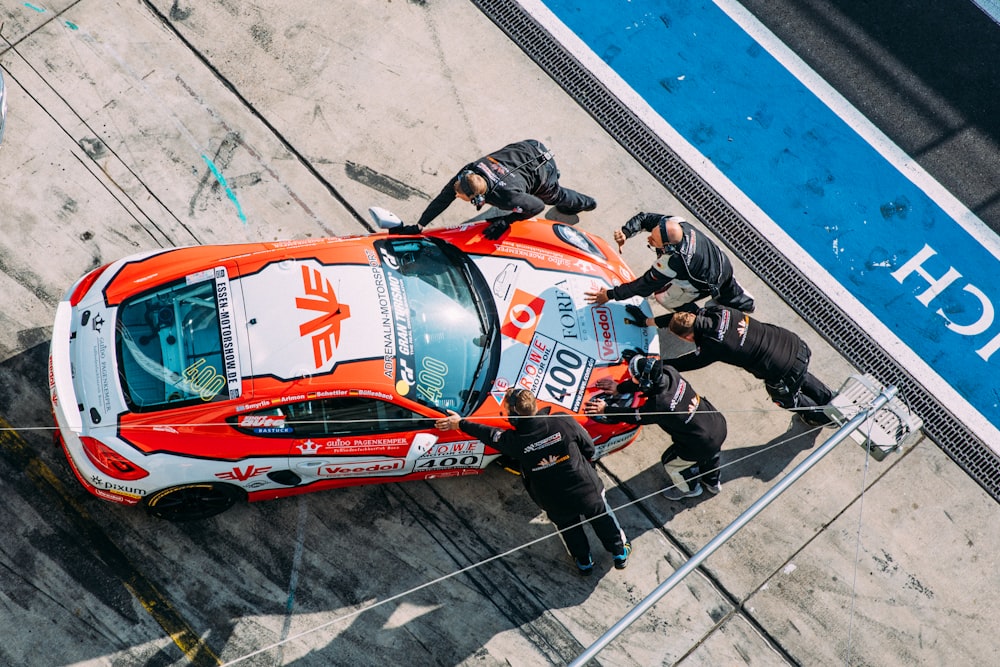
{"x": 324, "y": 329}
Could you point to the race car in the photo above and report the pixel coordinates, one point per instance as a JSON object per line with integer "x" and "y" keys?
{"x": 189, "y": 379}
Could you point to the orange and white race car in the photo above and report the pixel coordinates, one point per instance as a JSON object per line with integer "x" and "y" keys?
{"x": 188, "y": 379}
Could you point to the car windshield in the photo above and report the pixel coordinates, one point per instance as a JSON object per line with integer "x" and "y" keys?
{"x": 445, "y": 323}
{"x": 173, "y": 344}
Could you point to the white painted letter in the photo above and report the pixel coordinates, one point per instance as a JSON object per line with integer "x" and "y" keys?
{"x": 936, "y": 286}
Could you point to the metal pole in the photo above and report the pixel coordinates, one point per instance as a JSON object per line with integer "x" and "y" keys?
{"x": 731, "y": 529}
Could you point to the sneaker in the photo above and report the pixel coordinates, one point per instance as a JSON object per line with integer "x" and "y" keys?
{"x": 714, "y": 489}
{"x": 673, "y": 493}
{"x": 621, "y": 560}
{"x": 589, "y": 205}
{"x": 814, "y": 419}
{"x": 585, "y": 568}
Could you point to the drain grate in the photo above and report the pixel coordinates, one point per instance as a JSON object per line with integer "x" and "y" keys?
{"x": 853, "y": 342}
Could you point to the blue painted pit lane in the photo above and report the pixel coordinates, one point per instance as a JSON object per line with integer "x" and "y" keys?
{"x": 893, "y": 242}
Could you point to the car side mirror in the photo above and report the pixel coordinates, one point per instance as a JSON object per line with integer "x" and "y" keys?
{"x": 384, "y": 218}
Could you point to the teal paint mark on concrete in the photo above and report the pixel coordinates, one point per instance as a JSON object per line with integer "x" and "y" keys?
{"x": 229, "y": 193}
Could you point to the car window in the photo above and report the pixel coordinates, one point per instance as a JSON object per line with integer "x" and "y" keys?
{"x": 170, "y": 344}
{"x": 444, "y": 321}
{"x": 345, "y": 416}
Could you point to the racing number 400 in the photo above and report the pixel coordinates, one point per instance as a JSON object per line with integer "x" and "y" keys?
{"x": 430, "y": 379}
{"x": 563, "y": 378}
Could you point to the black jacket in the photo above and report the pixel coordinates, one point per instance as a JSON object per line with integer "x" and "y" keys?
{"x": 554, "y": 452}
{"x": 727, "y": 335}
{"x": 513, "y": 174}
{"x": 696, "y": 259}
{"x": 675, "y": 407}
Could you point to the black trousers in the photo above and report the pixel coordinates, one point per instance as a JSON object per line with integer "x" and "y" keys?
{"x": 799, "y": 388}
{"x": 604, "y": 522}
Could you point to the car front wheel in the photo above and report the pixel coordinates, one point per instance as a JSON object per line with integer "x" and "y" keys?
{"x": 191, "y": 502}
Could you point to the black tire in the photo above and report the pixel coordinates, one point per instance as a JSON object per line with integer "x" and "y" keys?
{"x": 193, "y": 502}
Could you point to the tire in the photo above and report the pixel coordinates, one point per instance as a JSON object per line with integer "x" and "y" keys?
{"x": 193, "y": 502}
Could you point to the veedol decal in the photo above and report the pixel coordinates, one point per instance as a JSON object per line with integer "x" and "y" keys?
{"x": 604, "y": 327}
{"x": 362, "y": 468}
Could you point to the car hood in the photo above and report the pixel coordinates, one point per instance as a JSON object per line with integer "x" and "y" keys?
{"x": 551, "y": 338}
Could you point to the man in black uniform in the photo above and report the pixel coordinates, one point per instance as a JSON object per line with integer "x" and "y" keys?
{"x": 521, "y": 178}
{"x": 696, "y": 427}
{"x": 554, "y": 453}
{"x": 769, "y": 352}
{"x": 689, "y": 267}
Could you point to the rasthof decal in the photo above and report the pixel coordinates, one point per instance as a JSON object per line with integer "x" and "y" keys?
{"x": 324, "y": 330}
{"x": 522, "y": 316}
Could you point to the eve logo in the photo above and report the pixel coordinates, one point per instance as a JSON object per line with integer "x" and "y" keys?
{"x": 325, "y": 328}
{"x": 938, "y": 285}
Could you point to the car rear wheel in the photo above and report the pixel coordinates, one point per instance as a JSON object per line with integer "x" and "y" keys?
{"x": 191, "y": 502}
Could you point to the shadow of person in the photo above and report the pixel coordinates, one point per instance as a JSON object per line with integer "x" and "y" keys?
{"x": 771, "y": 459}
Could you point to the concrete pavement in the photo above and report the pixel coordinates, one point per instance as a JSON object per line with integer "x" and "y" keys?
{"x": 134, "y": 126}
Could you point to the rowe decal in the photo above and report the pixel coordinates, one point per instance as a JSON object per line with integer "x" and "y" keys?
{"x": 522, "y": 316}
{"x": 324, "y": 329}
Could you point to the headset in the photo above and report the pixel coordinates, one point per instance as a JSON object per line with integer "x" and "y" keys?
{"x": 671, "y": 249}
{"x": 463, "y": 183}
{"x": 645, "y": 371}
{"x": 479, "y": 200}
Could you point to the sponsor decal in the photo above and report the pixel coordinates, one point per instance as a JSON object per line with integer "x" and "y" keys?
{"x": 362, "y": 468}
{"x": 555, "y": 373}
{"x": 451, "y": 456}
{"x": 604, "y": 327}
{"x": 568, "y": 322}
{"x": 324, "y": 330}
{"x": 522, "y": 316}
{"x": 503, "y": 281}
{"x": 117, "y": 488}
{"x": 103, "y": 373}
{"x": 229, "y": 357}
{"x": 308, "y": 447}
{"x": 238, "y": 474}
{"x": 549, "y": 461}
{"x": 262, "y": 421}
{"x": 97, "y": 323}
{"x": 614, "y": 443}
{"x": 499, "y": 390}
{"x": 384, "y": 309}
